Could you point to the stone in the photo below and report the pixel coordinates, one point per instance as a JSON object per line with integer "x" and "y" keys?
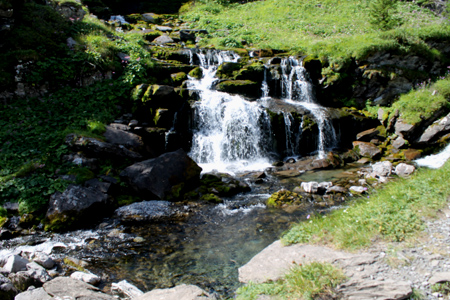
{"x": 69, "y": 288}
{"x": 145, "y": 211}
{"x": 86, "y": 277}
{"x": 336, "y": 189}
{"x": 366, "y": 149}
{"x": 150, "y": 17}
{"x": 382, "y": 168}
{"x": 190, "y": 34}
{"x": 275, "y": 260}
{"x": 125, "y": 290}
{"x": 357, "y": 289}
{"x": 39, "y": 276}
{"x": 403, "y": 129}
{"x": 77, "y": 206}
{"x": 164, "y": 28}
{"x": 310, "y": 187}
{"x": 357, "y": 189}
{"x": 34, "y": 294}
{"x": 163, "y": 177}
{"x": 22, "y": 280}
{"x": 95, "y": 147}
{"x": 439, "y": 277}
{"x": 129, "y": 140}
{"x": 180, "y": 292}
{"x": 399, "y": 142}
{"x": 404, "y": 170}
{"x": 7, "y": 289}
{"x": 15, "y": 264}
{"x": 44, "y": 260}
{"x": 435, "y": 130}
{"x": 367, "y": 135}
{"x": 163, "y": 39}
{"x": 411, "y": 154}
{"x": 246, "y": 88}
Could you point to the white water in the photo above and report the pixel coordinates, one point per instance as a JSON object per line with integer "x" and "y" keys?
{"x": 435, "y": 161}
{"x": 229, "y": 134}
{"x": 297, "y": 90}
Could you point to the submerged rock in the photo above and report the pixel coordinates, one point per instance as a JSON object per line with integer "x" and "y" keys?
{"x": 164, "y": 177}
{"x": 145, "y": 211}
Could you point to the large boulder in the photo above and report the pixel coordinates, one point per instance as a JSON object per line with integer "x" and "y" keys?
{"x": 180, "y": 292}
{"x": 164, "y": 177}
{"x": 116, "y": 135}
{"x": 77, "y": 206}
{"x": 69, "y": 288}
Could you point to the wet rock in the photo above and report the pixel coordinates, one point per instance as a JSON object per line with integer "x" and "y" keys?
{"x": 15, "y": 264}
{"x": 284, "y": 197}
{"x": 383, "y": 168}
{"x": 86, "y": 277}
{"x": 145, "y": 211}
{"x": 404, "y": 170}
{"x": 246, "y": 88}
{"x": 164, "y": 177}
{"x": 125, "y": 290}
{"x": 95, "y": 147}
{"x": 181, "y": 292}
{"x": 77, "y": 206}
{"x": 435, "y": 130}
{"x": 65, "y": 287}
{"x": 35, "y": 294}
{"x": 366, "y": 149}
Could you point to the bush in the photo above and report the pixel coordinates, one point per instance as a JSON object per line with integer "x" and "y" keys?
{"x": 382, "y": 14}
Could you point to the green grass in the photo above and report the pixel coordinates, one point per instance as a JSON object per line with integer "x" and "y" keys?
{"x": 301, "y": 282}
{"x": 327, "y": 29}
{"x": 394, "y": 213}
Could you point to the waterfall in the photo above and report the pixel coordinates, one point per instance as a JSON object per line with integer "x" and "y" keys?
{"x": 297, "y": 90}
{"x": 230, "y": 134}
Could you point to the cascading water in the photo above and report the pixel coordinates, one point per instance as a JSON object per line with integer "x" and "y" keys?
{"x": 230, "y": 133}
{"x": 297, "y": 90}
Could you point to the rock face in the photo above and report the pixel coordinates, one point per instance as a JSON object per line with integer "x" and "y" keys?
{"x": 115, "y": 134}
{"x": 69, "y": 288}
{"x": 435, "y": 130}
{"x": 145, "y": 211}
{"x": 164, "y": 177}
{"x": 77, "y": 206}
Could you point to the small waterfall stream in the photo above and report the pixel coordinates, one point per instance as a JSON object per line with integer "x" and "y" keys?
{"x": 230, "y": 133}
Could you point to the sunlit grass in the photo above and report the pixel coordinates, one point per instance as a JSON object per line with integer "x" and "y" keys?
{"x": 394, "y": 212}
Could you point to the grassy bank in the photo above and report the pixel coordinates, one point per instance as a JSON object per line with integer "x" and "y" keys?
{"x": 326, "y": 29}
{"x": 394, "y": 212}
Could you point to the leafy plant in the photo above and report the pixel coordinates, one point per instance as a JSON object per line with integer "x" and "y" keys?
{"x": 382, "y": 14}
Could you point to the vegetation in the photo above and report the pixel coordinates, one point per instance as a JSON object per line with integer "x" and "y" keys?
{"x": 308, "y": 281}
{"x": 394, "y": 212}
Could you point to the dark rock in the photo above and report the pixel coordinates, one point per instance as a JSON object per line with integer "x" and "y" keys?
{"x": 190, "y": 34}
{"x": 151, "y": 18}
{"x": 117, "y": 136}
{"x": 95, "y": 147}
{"x": 81, "y": 160}
{"x": 145, "y": 211}
{"x": 16, "y": 263}
{"x": 7, "y": 289}
{"x": 6, "y": 234}
{"x": 98, "y": 185}
{"x": 366, "y": 149}
{"x": 77, "y": 206}
{"x": 11, "y": 207}
{"x": 164, "y": 177}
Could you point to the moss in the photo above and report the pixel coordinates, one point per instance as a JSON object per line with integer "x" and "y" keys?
{"x": 176, "y": 191}
{"x": 82, "y": 174}
{"x": 254, "y": 71}
{"x": 123, "y": 200}
{"x": 196, "y": 73}
{"x": 211, "y": 198}
{"x": 59, "y": 223}
{"x": 284, "y": 197}
{"x": 244, "y": 87}
{"x": 133, "y": 18}
{"x": 228, "y": 70}
{"x": 74, "y": 264}
{"x": 178, "y": 78}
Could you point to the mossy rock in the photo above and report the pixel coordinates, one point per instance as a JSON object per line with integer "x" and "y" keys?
{"x": 133, "y": 18}
{"x": 196, "y": 73}
{"x": 211, "y": 198}
{"x": 228, "y": 70}
{"x": 178, "y": 78}
{"x": 254, "y": 72}
{"x": 284, "y": 197}
{"x": 246, "y": 88}
{"x": 138, "y": 92}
